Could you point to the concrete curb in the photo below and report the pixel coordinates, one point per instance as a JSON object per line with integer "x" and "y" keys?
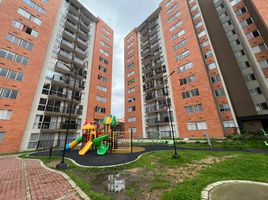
{"x": 70, "y": 181}
{"x": 205, "y": 192}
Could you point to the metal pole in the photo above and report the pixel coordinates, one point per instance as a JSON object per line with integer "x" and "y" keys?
{"x": 175, "y": 156}
{"x": 131, "y": 140}
{"x": 63, "y": 165}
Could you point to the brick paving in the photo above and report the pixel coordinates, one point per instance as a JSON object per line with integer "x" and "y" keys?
{"x": 27, "y": 179}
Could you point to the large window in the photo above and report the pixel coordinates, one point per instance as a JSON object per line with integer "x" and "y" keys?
{"x": 185, "y": 67}
{"x": 35, "y": 6}
{"x": 2, "y": 134}
{"x": 131, "y": 90}
{"x": 224, "y": 107}
{"x": 131, "y": 82}
{"x": 193, "y": 108}
{"x": 24, "y": 28}
{"x": 103, "y": 60}
{"x": 131, "y": 109}
{"x": 182, "y": 55}
{"x": 180, "y": 45}
{"x": 190, "y": 93}
{"x": 178, "y": 24}
{"x": 187, "y": 79}
{"x": 173, "y": 17}
{"x": 11, "y": 74}
{"x": 229, "y": 124}
{"x": 29, "y": 16}
{"x": 20, "y": 42}
{"x": 177, "y": 35}
{"x": 191, "y": 126}
{"x": 101, "y": 99}
{"x": 104, "y": 52}
{"x": 172, "y": 9}
{"x": 101, "y": 88}
{"x": 14, "y": 57}
{"x": 5, "y": 114}
{"x": 99, "y": 109}
{"x": 131, "y": 119}
{"x": 219, "y": 92}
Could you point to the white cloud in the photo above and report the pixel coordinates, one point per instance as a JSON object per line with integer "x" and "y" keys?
{"x": 122, "y": 16}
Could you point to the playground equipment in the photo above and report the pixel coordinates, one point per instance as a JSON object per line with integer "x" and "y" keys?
{"x": 102, "y": 140}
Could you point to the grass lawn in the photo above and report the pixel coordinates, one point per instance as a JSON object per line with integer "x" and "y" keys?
{"x": 157, "y": 176}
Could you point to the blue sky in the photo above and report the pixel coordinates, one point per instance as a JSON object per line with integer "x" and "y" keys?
{"x": 122, "y": 16}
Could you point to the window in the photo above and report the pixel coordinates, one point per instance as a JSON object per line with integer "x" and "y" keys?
{"x": 235, "y": 43}
{"x": 240, "y": 11}
{"x": 212, "y": 66}
{"x": 105, "y": 37}
{"x": 173, "y": 17}
{"x": 215, "y": 79}
{"x": 233, "y": 2}
{"x": 204, "y": 44}
{"x": 197, "y": 126}
{"x": 228, "y": 23}
{"x": 132, "y": 99}
{"x": 6, "y": 93}
{"x": 180, "y": 45}
{"x": 131, "y": 109}
{"x": 99, "y": 109}
{"x": 252, "y": 34}
{"x": 244, "y": 65}
{"x": 255, "y": 91}
{"x": 131, "y": 90}
{"x": 5, "y": 114}
{"x": 178, "y": 24}
{"x": 29, "y": 16}
{"x": 187, "y": 79}
{"x": 20, "y": 42}
{"x": 239, "y": 53}
{"x": 102, "y": 78}
{"x": 44, "y": 1}
{"x": 134, "y": 130}
{"x": 172, "y": 9}
{"x": 105, "y": 44}
{"x": 24, "y": 28}
{"x": 224, "y": 107}
{"x": 229, "y": 124}
{"x": 178, "y": 34}
{"x": 199, "y": 24}
{"x": 219, "y": 92}
{"x": 101, "y": 99}
{"x": 11, "y": 74}
{"x": 103, "y": 60}
{"x": 106, "y": 31}
{"x": 196, "y": 16}
{"x": 190, "y": 93}
{"x": 130, "y": 66}
{"x": 185, "y": 67}
{"x": 131, "y": 119}
{"x": 194, "y": 7}
{"x": 182, "y": 55}
{"x": 246, "y": 22}
{"x": 131, "y": 81}
{"x": 250, "y": 77}
{"x": 1, "y": 136}
{"x": 35, "y": 6}
{"x": 259, "y": 48}
{"x": 208, "y": 54}
{"x": 261, "y": 106}
{"x": 103, "y": 69}
{"x": 101, "y": 88}
{"x": 14, "y": 57}
{"x": 104, "y": 52}
{"x": 130, "y": 74}
{"x": 193, "y": 108}
{"x": 168, "y": 3}
{"x": 201, "y": 34}
{"x": 263, "y": 63}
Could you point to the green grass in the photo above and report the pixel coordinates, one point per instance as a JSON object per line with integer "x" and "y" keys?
{"x": 245, "y": 166}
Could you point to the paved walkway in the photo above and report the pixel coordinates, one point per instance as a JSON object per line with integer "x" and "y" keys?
{"x": 28, "y": 179}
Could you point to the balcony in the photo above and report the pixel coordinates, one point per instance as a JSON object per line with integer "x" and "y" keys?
{"x": 83, "y": 35}
{"x": 85, "y": 27}
{"x": 65, "y": 56}
{"x": 67, "y": 45}
{"x": 82, "y": 42}
{"x": 81, "y": 52}
{"x": 69, "y": 35}
{"x": 72, "y": 17}
{"x": 61, "y": 68}
{"x": 61, "y": 111}
{"x": 79, "y": 62}
{"x": 74, "y": 9}
{"x": 47, "y": 127}
{"x": 71, "y": 26}
{"x": 59, "y": 81}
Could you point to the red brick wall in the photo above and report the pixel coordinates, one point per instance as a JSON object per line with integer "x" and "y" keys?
{"x": 21, "y": 106}
{"x": 137, "y": 94}
{"x": 94, "y": 81}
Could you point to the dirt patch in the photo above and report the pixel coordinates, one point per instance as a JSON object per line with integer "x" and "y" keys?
{"x": 141, "y": 183}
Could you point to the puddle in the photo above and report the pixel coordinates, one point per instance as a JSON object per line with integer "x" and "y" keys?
{"x": 116, "y": 183}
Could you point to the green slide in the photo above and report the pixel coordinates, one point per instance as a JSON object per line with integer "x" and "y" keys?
{"x": 102, "y": 148}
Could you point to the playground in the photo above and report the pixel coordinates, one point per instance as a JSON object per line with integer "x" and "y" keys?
{"x": 106, "y": 165}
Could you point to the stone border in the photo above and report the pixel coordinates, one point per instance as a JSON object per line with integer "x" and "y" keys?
{"x": 205, "y": 192}
{"x": 70, "y": 181}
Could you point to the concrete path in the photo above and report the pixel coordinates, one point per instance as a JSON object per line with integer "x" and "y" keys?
{"x": 28, "y": 179}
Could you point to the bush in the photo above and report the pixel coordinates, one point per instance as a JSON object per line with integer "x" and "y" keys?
{"x": 245, "y": 135}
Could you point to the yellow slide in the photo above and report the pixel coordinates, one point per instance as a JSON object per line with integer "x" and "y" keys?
{"x": 85, "y": 148}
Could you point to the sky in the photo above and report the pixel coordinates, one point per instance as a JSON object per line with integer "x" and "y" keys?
{"x": 122, "y": 16}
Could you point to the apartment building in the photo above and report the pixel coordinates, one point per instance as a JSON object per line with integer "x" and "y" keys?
{"x": 55, "y": 72}
{"x": 197, "y": 67}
